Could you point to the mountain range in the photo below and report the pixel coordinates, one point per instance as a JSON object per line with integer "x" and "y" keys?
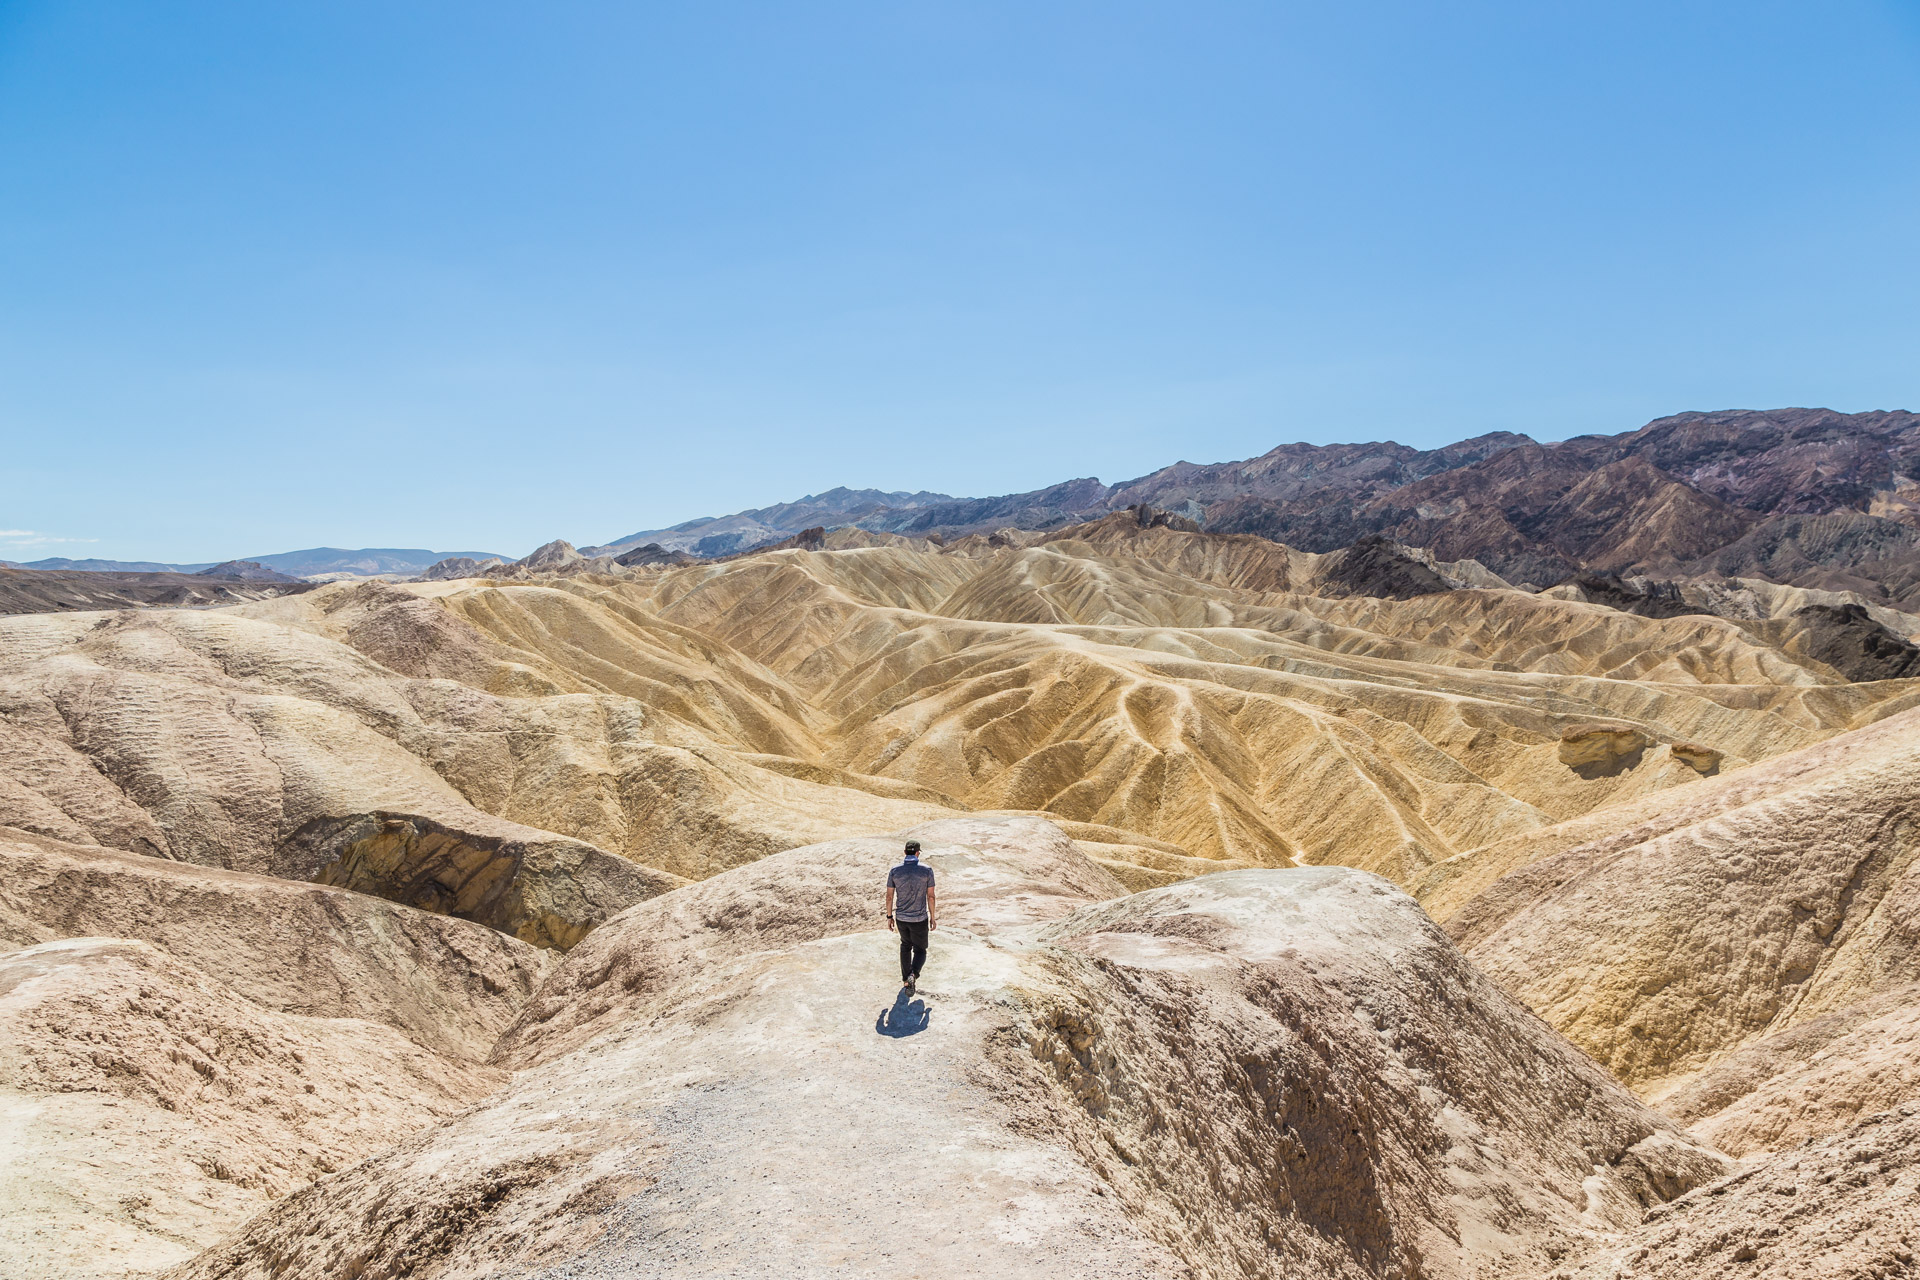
{"x": 1806, "y": 497}
{"x": 1339, "y": 914}
{"x": 313, "y": 562}
{"x": 1336, "y": 915}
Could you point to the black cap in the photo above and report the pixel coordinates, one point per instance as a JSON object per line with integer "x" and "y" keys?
{"x": 913, "y": 847}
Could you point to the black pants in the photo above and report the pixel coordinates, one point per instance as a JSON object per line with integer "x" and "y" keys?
{"x": 913, "y": 947}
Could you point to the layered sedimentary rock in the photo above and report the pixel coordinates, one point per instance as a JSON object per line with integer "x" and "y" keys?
{"x": 614, "y": 829}
{"x": 1847, "y": 639}
{"x": 449, "y": 985}
{"x": 181, "y": 1046}
{"x": 150, "y": 1109}
{"x": 536, "y": 753}
{"x": 224, "y": 741}
{"x": 719, "y": 1084}
{"x": 1743, "y": 947}
{"x": 1840, "y": 1208}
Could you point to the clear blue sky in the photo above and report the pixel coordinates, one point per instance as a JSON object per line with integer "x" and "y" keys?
{"x": 476, "y": 275}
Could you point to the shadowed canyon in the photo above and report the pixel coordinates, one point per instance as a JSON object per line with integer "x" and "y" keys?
{"x": 1325, "y": 889}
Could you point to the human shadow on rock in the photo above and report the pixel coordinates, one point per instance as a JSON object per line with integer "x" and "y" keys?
{"x": 906, "y": 1017}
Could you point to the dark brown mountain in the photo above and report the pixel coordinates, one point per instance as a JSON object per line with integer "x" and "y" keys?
{"x": 1291, "y": 473}
{"x": 1532, "y": 513}
{"x": 1849, "y": 641}
{"x": 1377, "y": 566}
{"x": 1812, "y": 497}
{"x": 1777, "y": 461}
{"x": 58, "y": 591}
{"x": 1648, "y": 599}
{"x": 1838, "y": 551}
{"x": 1782, "y": 494}
{"x": 1679, "y": 490}
{"x": 1295, "y": 472}
{"x": 1061, "y": 504}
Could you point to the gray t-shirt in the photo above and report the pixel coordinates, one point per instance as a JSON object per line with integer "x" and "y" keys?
{"x": 910, "y": 882}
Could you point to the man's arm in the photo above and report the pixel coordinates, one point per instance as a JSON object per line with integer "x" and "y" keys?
{"x": 930, "y": 911}
{"x": 889, "y": 906}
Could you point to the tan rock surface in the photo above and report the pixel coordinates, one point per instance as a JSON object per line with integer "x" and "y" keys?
{"x": 1186, "y": 690}
{"x": 1603, "y": 745}
{"x": 1844, "y": 1208}
{"x": 1701, "y": 759}
{"x": 1812, "y": 1079}
{"x": 449, "y": 985}
{"x": 1736, "y": 909}
{"x": 1224, "y": 682}
{"x": 180, "y": 1045}
{"x": 1283, "y": 1069}
{"x": 698, "y": 1104}
{"x": 1020, "y": 869}
{"x": 147, "y": 1109}
{"x": 230, "y": 742}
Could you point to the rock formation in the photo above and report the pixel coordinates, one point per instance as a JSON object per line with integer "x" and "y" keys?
{"x": 651, "y": 553}
{"x": 1649, "y": 599}
{"x": 234, "y": 743}
{"x": 1170, "y": 691}
{"x": 1808, "y": 497}
{"x": 708, "y": 1089}
{"x": 1742, "y": 946}
{"x": 448, "y": 985}
{"x": 457, "y": 567}
{"x": 247, "y": 571}
{"x": 1845, "y": 638}
{"x": 63, "y": 591}
{"x": 150, "y": 1108}
{"x": 1840, "y": 1208}
{"x": 526, "y": 922}
{"x": 1603, "y": 746}
{"x": 181, "y": 1046}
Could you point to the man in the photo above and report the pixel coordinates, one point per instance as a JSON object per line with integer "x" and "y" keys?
{"x": 910, "y": 909}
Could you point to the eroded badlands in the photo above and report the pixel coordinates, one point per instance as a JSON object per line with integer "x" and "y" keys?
{"x": 529, "y": 925}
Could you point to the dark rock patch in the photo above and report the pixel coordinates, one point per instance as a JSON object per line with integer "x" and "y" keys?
{"x": 1852, "y": 643}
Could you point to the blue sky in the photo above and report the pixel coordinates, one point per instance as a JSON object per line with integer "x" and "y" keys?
{"x": 476, "y": 275}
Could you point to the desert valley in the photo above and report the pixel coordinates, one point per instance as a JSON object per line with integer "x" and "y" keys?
{"x": 1501, "y": 860}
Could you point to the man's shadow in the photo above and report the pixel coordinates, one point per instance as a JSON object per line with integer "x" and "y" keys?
{"x": 907, "y": 1016}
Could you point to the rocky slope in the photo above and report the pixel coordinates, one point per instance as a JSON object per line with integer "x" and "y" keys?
{"x": 1837, "y": 1209}
{"x": 220, "y": 740}
{"x": 1741, "y": 950}
{"x": 525, "y": 923}
{"x": 25, "y": 590}
{"x": 180, "y": 1047}
{"x": 537, "y": 751}
{"x": 446, "y": 984}
{"x": 1381, "y": 1109}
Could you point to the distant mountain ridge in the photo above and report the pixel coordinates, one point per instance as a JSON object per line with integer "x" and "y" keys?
{"x": 60, "y": 564}
{"x": 1808, "y": 497}
{"x": 363, "y": 562}
{"x": 711, "y": 536}
{"x": 1800, "y": 496}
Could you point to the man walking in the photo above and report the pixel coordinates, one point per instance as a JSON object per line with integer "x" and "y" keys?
{"x": 910, "y": 909}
